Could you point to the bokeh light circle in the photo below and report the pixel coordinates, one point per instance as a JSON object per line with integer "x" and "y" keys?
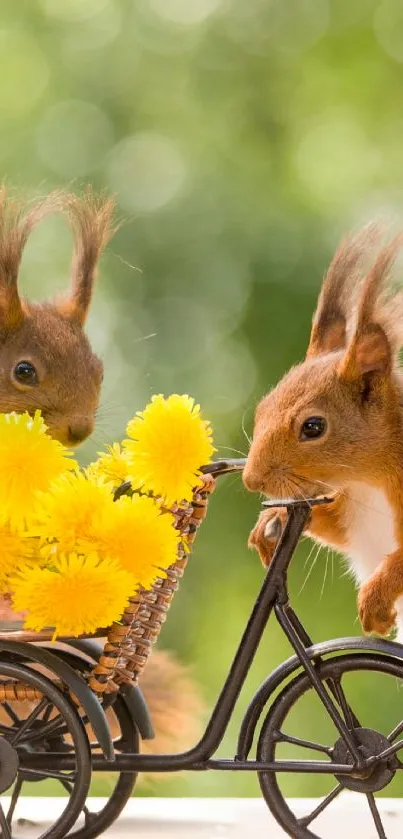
{"x": 146, "y": 171}
{"x": 73, "y": 137}
{"x": 335, "y": 158}
{"x": 72, "y": 11}
{"x": 184, "y": 12}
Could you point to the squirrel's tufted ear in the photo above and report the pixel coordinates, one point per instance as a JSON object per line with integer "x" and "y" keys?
{"x": 373, "y": 344}
{"x": 369, "y": 352}
{"x": 91, "y": 219}
{"x": 336, "y": 297}
{"x": 15, "y": 226}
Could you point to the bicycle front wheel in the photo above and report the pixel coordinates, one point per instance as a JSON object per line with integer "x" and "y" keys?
{"x": 364, "y": 689}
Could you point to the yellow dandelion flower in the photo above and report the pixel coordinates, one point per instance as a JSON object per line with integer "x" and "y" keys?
{"x": 111, "y": 465}
{"x": 29, "y": 460}
{"x": 71, "y": 512}
{"x": 15, "y": 552}
{"x": 139, "y": 537}
{"x": 169, "y": 442}
{"x": 80, "y": 595}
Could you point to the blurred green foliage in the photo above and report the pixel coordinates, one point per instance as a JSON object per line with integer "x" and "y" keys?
{"x": 241, "y": 138}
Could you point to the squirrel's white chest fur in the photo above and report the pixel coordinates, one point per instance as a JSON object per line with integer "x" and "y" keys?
{"x": 370, "y": 529}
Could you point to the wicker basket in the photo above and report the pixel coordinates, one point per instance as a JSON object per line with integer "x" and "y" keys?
{"x": 130, "y": 641}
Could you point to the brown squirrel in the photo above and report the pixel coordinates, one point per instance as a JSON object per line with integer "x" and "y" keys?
{"x": 334, "y": 426}
{"x": 46, "y": 363}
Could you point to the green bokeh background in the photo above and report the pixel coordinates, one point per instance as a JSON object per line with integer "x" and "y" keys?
{"x": 241, "y": 139}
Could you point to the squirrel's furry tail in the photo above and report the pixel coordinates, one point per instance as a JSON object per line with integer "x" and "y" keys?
{"x": 175, "y": 705}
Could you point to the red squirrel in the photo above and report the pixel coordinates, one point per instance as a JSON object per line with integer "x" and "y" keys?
{"x": 334, "y": 426}
{"x": 46, "y": 363}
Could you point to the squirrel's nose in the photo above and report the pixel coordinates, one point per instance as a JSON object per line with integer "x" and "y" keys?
{"x": 79, "y": 428}
{"x": 252, "y": 480}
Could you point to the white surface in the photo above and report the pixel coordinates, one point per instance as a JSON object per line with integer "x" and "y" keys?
{"x": 227, "y": 818}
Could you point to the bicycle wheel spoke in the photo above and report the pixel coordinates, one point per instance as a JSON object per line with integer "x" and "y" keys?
{"x": 36, "y": 774}
{"x": 67, "y": 786}
{"x": 47, "y": 713}
{"x": 392, "y": 750}
{"x": 396, "y": 731}
{"x": 304, "y": 744}
{"x": 5, "y": 827}
{"x": 375, "y": 815}
{"x": 14, "y": 798}
{"x": 87, "y": 814}
{"x": 11, "y": 713}
{"x": 55, "y": 726}
{"x": 350, "y": 720}
{"x": 29, "y": 720}
{"x": 306, "y": 820}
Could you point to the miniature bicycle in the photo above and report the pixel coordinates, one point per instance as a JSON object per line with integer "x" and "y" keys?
{"x": 58, "y": 718}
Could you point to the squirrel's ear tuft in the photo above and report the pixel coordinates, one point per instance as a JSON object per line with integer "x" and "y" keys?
{"x": 337, "y": 294}
{"x": 91, "y": 219}
{"x": 16, "y": 223}
{"x": 370, "y": 352}
{"x": 373, "y": 344}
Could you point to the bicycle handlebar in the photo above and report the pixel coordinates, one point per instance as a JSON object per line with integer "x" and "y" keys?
{"x": 237, "y": 464}
{"x": 297, "y": 502}
{"x": 223, "y": 467}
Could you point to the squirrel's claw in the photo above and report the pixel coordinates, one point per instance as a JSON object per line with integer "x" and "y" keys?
{"x": 376, "y": 610}
{"x": 266, "y": 533}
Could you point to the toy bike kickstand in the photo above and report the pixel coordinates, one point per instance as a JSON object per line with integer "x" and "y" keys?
{"x": 52, "y": 741}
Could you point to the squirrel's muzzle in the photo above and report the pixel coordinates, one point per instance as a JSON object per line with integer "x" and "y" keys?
{"x": 79, "y": 428}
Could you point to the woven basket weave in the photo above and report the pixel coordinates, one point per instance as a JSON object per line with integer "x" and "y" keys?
{"x": 130, "y": 641}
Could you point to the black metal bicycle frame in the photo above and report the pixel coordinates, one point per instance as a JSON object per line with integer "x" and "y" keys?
{"x": 273, "y": 596}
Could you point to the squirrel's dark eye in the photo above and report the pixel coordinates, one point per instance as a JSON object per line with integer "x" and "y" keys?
{"x": 312, "y": 428}
{"x": 25, "y": 373}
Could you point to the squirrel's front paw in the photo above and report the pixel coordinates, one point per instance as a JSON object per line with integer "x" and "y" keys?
{"x": 266, "y": 533}
{"x": 376, "y": 610}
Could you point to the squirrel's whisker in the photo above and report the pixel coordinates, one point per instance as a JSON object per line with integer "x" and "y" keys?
{"x": 231, "y": 449}
{"x": 313, "y": 546}
{"x": 244, "y": 430}
{"x": 294, "y": 484}
{"x": 313, "y": 563}
{"x": 325, "y": 574}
